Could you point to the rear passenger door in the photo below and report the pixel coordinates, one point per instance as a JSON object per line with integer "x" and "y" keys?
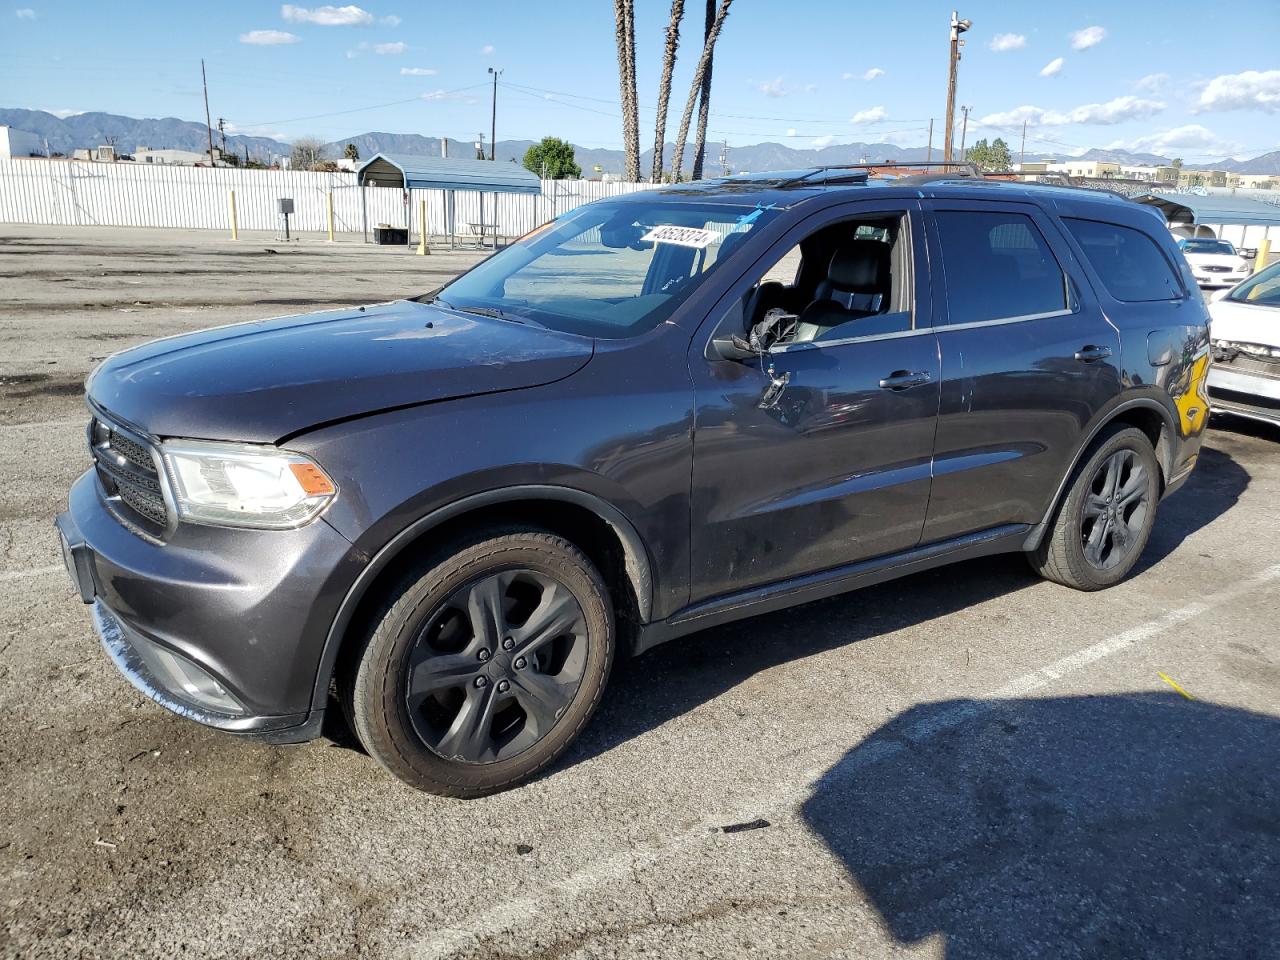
{"x": 1027, "y": 357}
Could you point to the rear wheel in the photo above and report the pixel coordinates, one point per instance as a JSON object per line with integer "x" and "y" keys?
{"x": 1106, "y": 518}
{"x": 483, "y": 667}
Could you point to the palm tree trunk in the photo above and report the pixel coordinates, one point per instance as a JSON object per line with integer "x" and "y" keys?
{"x": 625, "y": 28}
{"x": 677, "y": 161}
{"x": 664, "y": 87}
{"x": 704, "y": 99}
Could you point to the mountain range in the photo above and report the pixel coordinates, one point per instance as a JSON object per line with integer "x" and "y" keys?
{"x": 65, "y": 134}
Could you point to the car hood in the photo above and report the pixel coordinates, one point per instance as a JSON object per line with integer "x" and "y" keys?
{"x": 1245, "y": 322}
{"x": 1216, "y": 260}
{"x": 263, "y": 381}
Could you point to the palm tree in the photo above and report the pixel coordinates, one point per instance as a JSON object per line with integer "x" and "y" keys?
{"x": 664, "y": 87}
{"x": 704, "y": 99}
{"x": 704, "y": 64}
{"x": 625, "y": 30}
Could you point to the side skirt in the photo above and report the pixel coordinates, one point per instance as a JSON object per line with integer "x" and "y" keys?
{"x": 829, "y": 583}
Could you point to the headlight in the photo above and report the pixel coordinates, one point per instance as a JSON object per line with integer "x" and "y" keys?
{"x": 242, "y": 485}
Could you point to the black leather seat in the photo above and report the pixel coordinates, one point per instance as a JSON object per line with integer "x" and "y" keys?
{"x": 856, "y": 286}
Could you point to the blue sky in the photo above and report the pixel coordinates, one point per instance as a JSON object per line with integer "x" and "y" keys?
{"x": 1197, "y": 79}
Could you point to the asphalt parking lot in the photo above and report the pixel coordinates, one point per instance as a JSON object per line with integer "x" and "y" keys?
{"x": 967, "y": 763}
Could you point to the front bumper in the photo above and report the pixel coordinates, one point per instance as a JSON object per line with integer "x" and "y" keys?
{"x": 224, "y": 627}
{"x": 1218, "y": 280}
{"x": 1249, "y": 395}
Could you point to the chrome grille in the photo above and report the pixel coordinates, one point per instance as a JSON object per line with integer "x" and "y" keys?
{"x": 127, "y": 471}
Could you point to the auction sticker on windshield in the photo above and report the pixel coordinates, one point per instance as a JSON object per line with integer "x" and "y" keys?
{"x": 694, "y": 237}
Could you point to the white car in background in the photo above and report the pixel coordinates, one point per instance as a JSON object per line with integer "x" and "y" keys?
{"x": 1214, "y": 263}
{"x": 1244, "y": 378}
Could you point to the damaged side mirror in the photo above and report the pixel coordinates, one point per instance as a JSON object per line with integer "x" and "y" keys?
{"x": 732, "y": 347}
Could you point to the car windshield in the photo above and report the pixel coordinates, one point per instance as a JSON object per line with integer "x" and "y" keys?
{"x": 1207, "y": 246}
{"x": 608, "y": 270}
{"x": 1262, "y": 289}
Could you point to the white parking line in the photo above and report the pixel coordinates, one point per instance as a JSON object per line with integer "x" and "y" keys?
{"x": 515, "y": 913}
{"x": 8, "y": 575}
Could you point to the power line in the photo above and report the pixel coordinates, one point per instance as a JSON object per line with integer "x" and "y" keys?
{"x": 373, "y": 106}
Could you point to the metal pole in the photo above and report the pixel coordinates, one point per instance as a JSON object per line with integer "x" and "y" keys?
{"x": 208, "y": 126}
{"x": 493, "y": 121}
{"x": 958, "y": 27}
{"x": 964, "y": 130}
{"x": 231, "y": 204}
{"x": 929, "y": 156}
{"x": 1022, "y": 161}
{"x": 422, "y": 230}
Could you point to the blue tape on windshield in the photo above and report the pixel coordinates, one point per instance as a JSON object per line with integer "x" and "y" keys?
{"x": 745, "y": 221}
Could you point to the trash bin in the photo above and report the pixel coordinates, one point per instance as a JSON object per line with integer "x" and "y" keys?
{"x": 387, "y": 234}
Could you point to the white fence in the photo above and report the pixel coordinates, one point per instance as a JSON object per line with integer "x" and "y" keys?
{"x": 80, "y": 193}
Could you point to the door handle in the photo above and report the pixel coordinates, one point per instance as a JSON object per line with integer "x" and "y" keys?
{"x": 905, "y": 379}
{"x": 1089, "y": 353}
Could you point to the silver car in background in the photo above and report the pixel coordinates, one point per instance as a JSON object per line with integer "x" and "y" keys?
{"x": 1245, "y": 376}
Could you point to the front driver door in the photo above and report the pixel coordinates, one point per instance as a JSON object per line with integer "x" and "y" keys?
{"x": 817, "y": 454}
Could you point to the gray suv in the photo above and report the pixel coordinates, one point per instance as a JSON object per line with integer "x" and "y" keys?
{"x": 449, "y": 514}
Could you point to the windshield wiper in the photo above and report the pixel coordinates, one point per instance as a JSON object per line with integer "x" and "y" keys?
{"x": 486, "y": 312}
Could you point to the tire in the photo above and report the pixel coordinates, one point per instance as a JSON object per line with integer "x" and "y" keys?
{"x": 1100, "y": 531}
{"x": 483, "y": 664}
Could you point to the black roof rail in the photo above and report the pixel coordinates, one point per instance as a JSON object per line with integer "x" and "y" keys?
{"x": 861, "y": 172}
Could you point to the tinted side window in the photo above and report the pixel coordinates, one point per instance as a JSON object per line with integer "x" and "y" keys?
{"x": 1128, "y": 262}
{"x": 997, "y": 265}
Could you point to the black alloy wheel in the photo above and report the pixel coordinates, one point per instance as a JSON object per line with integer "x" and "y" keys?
{"x": 1114, "y": 513}
{"x": 496, "y": 666}
{"x": 483, "y": 663}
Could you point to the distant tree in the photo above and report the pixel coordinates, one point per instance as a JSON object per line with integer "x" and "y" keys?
{"x": 231, "y": 159}
{"x": 695, "y": 89}
{"x": 352, "y": 152}
{"x": 990, "y": 157}
{"x": 307, "y": 153}
{"x": 704, "y": 98}
{"x": 664, "y": 87}
{"x": 1177, "y": 163}
{"x": 552, "y": 159}
{"x": 625, "y": 38}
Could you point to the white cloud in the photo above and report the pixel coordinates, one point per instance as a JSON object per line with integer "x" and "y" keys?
{"x": 1251, "y": 90}
{"x": 390, "y": 49}
{"x": 774, "y": 88}
{"x": 487, "y": 49}
{"x": 821, "y": 142}
{"x": 25, "y": 13}
{"x": 1191, "y": 138}
{"x": 327, "y": 16}
{"x": 267, "y": 38}
{"x": 1088, "y": 37}
{"x": 390, "y": 20}
{"x": 1153, "y": 82}
{"x": 449, "y": 95}
{"x": 1052, "y": 68}
{"x": 1113, "y": 111}
{"x": 874, "y": 115}
{"x": 1007, "y": 41}
{"x": 791, "y": 131}
{"x": 64, "y": 113}
{"x": 873, "y": 73}
{"x": 846, "y": 76}
{"x": 418, "y": 72}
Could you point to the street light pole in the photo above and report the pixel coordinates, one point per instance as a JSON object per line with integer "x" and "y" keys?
{"x": 493, "y": 123}
{"x": 958, "y": 27}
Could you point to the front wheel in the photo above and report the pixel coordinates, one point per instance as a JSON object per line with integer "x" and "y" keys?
{"x": 482, "y": 668}
{"x": 1106, "y": 518}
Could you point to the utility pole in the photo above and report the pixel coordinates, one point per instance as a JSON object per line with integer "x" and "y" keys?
{"x": 480, "y": 146}
{"x": 222, "y": 132}
{"x": 493, "y": 123}
{"x": 958, "y": 27}
{"x": 929, "y": 157}
{"x": 724, "y": 158}
{"x": 964, "y": 130}
{"x": 208, "y": 127}
{"x": 1022, "y": 161}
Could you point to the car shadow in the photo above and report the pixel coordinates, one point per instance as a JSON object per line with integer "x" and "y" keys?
{"x": 1214, "y": 487}
{"x": 677, "y": 677}
{"x": 1130, "y": 825}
